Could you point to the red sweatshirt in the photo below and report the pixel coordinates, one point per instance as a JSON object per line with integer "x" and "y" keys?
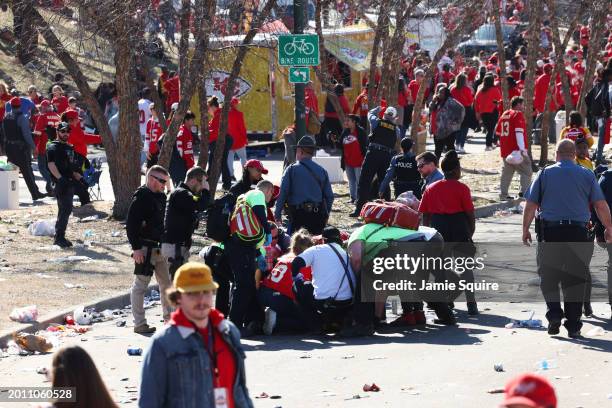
{"x": 40, "y": 135}
{"x": 237, "y": 128}
{"x": 213, "y": 126}
{"x": 484, "y": 101}
{"x": 464, "y": 95}
{"x": 79, "y": 139}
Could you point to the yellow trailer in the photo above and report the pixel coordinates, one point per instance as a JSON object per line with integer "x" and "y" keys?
{"x": 265, "y": 93}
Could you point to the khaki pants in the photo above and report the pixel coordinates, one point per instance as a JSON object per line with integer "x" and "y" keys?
{"x": 524, "y": 170}
{"x": 141, "y": 283}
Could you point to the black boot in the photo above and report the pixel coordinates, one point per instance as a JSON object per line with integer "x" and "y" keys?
{"x": 62, "y": 242}
{"x": 588, "y": 310}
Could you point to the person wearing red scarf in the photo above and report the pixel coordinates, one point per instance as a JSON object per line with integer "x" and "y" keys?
{"x": 198, "y": 356}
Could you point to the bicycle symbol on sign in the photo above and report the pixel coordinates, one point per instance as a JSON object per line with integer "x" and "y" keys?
{"x": 297, "y": 45}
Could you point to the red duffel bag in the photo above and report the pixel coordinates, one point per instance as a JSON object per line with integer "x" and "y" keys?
{"x": 390, "y": 213}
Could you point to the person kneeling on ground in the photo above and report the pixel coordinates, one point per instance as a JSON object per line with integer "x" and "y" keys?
{"x": 281, "y": 288}
{"x": 333, "y": 279}
{"x": 198, "y": 356}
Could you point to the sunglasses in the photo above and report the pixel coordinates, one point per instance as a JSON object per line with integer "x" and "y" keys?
{"x": 161, "y": 180}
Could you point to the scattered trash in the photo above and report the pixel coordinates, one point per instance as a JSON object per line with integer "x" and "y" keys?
{"x": 496, "y": 391}
{"x": 595, "y": 332}
{"x": 305, "y": 356}
{"x": 73, "y": 258}
{"x": 134, "y": 351}
{"x": 116, "y": 234}
{"x": 45, "y": 276}
{"x": 82, "y": 317}
{"x": 326, "y": 394}
{"x": 275, "y": 397}
{"x": 32, "y": 342}
{"x": 90, "y": 218}
{"x": 377, "y": 358}
{"x": 546, "y": 365}
{"x": 348, "y": 356}
{"x": 13, "y": 231}
{"x": 124, "y": 379}
{"x": 563, "y": 377}
{"x": 154, "y": 295}
{"x": 498, "y": 368}
{"x": 50, "y": 248}
{"x": 73, "y": 286}
{"x": 27, "y": 314}
{"x": 409, "y": 390}
{"x": 42, "y": 228}
{"x": 371, "y": 388}
{"x": 262, "y": 395}
{"x": 69, "y": 319}
{"x": 120, "y": 323}
{"x": 530, "y": 323}
{"x": 356, "y": 396}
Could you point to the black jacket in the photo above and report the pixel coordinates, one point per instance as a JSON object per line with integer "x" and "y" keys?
{"x": 240, "y": 188}
{"x": 145, "y": 219}
{"x": 181, "y": 218}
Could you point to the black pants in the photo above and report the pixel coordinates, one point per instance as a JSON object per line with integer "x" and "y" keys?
{"x": 375, "y": 164}
{"x": 19, "y": 155}
{"x": 489, "y": 120}
{"x": 408, "y": 116}
{"x": 222, "y": 300}
{"x": 80, "y": 190}
{"x": 563, "y": 260}
{"x": 225, "y": 173}
{"x": 446, "y": 144}
{"x": 63, "y": 194}
{"x": 314, "y": 222}
{"x": 241, "y": 259}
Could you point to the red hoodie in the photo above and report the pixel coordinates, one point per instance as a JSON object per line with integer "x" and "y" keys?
{"x": 226, "y": 362}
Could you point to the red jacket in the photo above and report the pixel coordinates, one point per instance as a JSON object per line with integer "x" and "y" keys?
{"x": 213, "y": 126}
{"x": 79, "y": 139}
{"x": 237, "y": 128}
{"x": 464, "y": 95}
{"x": 539, "y": 95}
{"x": 414, "y": 86}
{"x": 184, "y": 144}
{"x": 40, "y": 135}
{"x": 484, "y": 101}
{"x": 60, "y": 103}
{"x": 360, "y": 107}
{"x": 172, "y": 87}
{"x": 312, "y": 103}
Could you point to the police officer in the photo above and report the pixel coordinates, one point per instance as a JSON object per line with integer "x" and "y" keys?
{"x": 403, "y": 171}
{"x": 64, "y": 171}
{"x": 381, "y": 148}
{"x": 563, "y": 192}
{"x": 19, "y": 145}
{"x": 145, "y": 226}
{"x": 184, "y": 204}
{"x": 306, "y": 189}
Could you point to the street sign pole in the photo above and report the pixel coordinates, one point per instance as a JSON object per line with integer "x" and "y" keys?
{"x": 300, "y": 103}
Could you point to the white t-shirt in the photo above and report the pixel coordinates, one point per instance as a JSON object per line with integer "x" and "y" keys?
{"x": 327, "y": 272}
{"x": 144, "y": 114}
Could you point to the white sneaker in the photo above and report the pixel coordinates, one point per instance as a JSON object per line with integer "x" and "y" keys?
{"x": 270, "y": 322}
{"x": 488, "y": 148}
{"x": 461, "y": 150}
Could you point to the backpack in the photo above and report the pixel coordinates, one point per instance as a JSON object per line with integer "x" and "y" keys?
{"x": 218, "y": 221}
{"x": 391, "y": 214}
{"x": 244, "y": 224}
{"x": 12, "y": 132}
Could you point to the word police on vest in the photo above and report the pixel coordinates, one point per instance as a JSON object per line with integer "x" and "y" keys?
{"x": 412, "y": 264}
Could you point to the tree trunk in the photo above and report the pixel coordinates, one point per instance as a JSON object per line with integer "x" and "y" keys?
{"x": 560, "y": 50}
{"x": 24, "y": 30}
{"x": 381, "y": 26}
{"x": 188, "y": 86}
{"x": 599, "y": 12}
{"x": 501, "y": 54}
{"x": 204, "y": 133}
{"x": 535, "y": 12}
{"x": 229, "y": 93}
{"x": 184, "y": 40}
{"x": 465, "y": 25}
{"x": 324, "y": 75}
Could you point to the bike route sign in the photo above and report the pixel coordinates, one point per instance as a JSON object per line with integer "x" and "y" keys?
{"x": 298, "y": 49}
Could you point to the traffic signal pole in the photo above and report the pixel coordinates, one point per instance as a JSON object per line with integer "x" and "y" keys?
{"x": 300, "y": 103}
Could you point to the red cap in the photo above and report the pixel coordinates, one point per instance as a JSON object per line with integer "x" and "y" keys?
{"x": 235, "y": 101}
{"x": 530, "y": 390}
{"x": 256, "y": 164}
{"x": 45, "y": 103}
{"x": 71, "y": 114}
{"x": 548, "y": 67}
{"x": 15, "y": 102}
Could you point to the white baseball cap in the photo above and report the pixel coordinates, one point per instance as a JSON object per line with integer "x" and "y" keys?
{"x": 391, "y": 112}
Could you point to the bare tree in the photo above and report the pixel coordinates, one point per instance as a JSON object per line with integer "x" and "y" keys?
{"x": 24, "y": 30}
{"x": 501, "y": 52}
{"x": 382, "y": 30}
{"x": 229, "y": 92}
{"x": 471, "y": 11}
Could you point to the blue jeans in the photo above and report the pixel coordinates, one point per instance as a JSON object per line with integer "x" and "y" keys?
{"x": 353, "y": 173}
{"x": 44, "y": 170}
{"x": 601, "y": 131}
{"x": 462, "y": 136}
{"x": 289, "y": 317}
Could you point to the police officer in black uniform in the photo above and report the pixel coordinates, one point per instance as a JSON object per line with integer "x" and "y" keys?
{"x": 64, "y": 171}
{"x": 145, "y": 227}
{"x": 403, "y": 171}
{"x": 380, "y": 151}
{"x": 184, "y": 204}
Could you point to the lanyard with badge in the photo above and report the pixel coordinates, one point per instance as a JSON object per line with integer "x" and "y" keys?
{"x": 220, "y": 393}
